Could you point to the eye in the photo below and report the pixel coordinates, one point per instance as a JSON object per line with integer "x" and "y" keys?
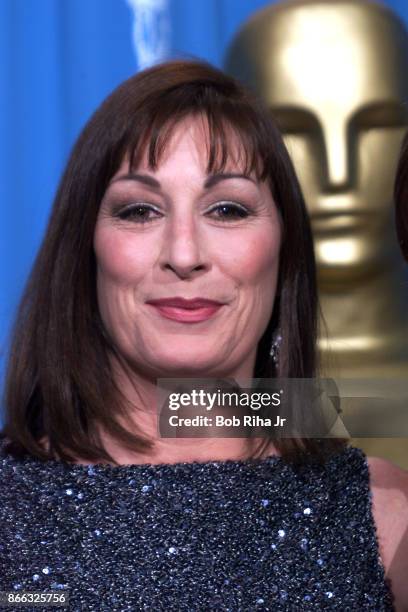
{"x": 138, "y": 213}
{"x": 229, "y": 211}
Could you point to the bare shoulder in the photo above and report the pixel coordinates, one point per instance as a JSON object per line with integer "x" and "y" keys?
{"x": 389, "y": 488}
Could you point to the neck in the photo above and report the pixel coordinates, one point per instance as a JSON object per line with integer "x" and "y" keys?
{"x": 142, "y": 392}
{"x": 367, "y": 326}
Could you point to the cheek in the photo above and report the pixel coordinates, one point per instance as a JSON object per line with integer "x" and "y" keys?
{"x": 120, "y": 269}
{"x": 117, "y": 260}
{"x": 262, "y": 258}
{"x": 253, "y": 257}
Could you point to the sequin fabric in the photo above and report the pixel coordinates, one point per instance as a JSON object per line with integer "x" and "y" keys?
{"x": 229, "y": 535}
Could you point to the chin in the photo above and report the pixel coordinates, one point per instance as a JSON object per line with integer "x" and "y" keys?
{"x": 348, "y": 261}
{"x": 338, "y": 274}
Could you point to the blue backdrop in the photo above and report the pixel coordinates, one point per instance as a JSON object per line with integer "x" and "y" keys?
{"x": 59, "y": 59}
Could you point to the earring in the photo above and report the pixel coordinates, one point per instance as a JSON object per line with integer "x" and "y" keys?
{"x": 275, "y": 348}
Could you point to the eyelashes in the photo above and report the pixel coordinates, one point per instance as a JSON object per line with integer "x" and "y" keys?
{"x": 143, "y": 213}
{"x": 138, "y": 213}
{"x": 238, "y": 211}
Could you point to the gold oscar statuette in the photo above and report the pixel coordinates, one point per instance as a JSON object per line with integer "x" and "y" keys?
{"x": 335, "y": 76}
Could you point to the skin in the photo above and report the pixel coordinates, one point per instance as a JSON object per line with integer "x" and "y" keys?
{"x": 192, "y": 247}
{"x": 389, "y": 488}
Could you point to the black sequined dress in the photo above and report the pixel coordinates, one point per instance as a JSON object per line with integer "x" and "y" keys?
{"x": 222, "y": 535}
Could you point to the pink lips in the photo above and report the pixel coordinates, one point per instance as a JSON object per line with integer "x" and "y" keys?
{"x": 186, "y": 311}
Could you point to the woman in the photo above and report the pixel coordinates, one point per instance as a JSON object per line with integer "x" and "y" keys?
{"x": 179, "y": 247}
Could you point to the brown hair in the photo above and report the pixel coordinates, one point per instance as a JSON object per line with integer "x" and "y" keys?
{"x": 59, "y": 381}
{"x": 401, "y": 198}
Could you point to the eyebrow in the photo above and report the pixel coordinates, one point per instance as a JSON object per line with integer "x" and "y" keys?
{"x": 212, "y": 180}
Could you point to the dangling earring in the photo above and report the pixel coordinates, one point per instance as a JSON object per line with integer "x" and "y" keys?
{"x": 275, "y": 348}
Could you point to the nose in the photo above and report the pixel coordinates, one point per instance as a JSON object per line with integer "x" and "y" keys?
{"x": 182, "y": 249}
{"x": 338, "y": 167}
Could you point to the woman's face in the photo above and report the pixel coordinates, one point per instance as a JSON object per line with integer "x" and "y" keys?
{"x": 179, "y": 232}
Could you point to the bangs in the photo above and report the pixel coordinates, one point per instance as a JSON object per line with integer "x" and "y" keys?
{"x": 231, "y": 130}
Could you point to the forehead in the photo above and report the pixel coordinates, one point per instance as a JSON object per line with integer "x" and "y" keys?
{"x": 190, "y": 141}
{"x": 323, "y": 56}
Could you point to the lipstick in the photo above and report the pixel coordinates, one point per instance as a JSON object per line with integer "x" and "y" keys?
{"x": 186, "y": 310}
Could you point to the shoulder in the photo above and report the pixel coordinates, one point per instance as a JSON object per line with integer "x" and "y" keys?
{"x": 389, "y": 489}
